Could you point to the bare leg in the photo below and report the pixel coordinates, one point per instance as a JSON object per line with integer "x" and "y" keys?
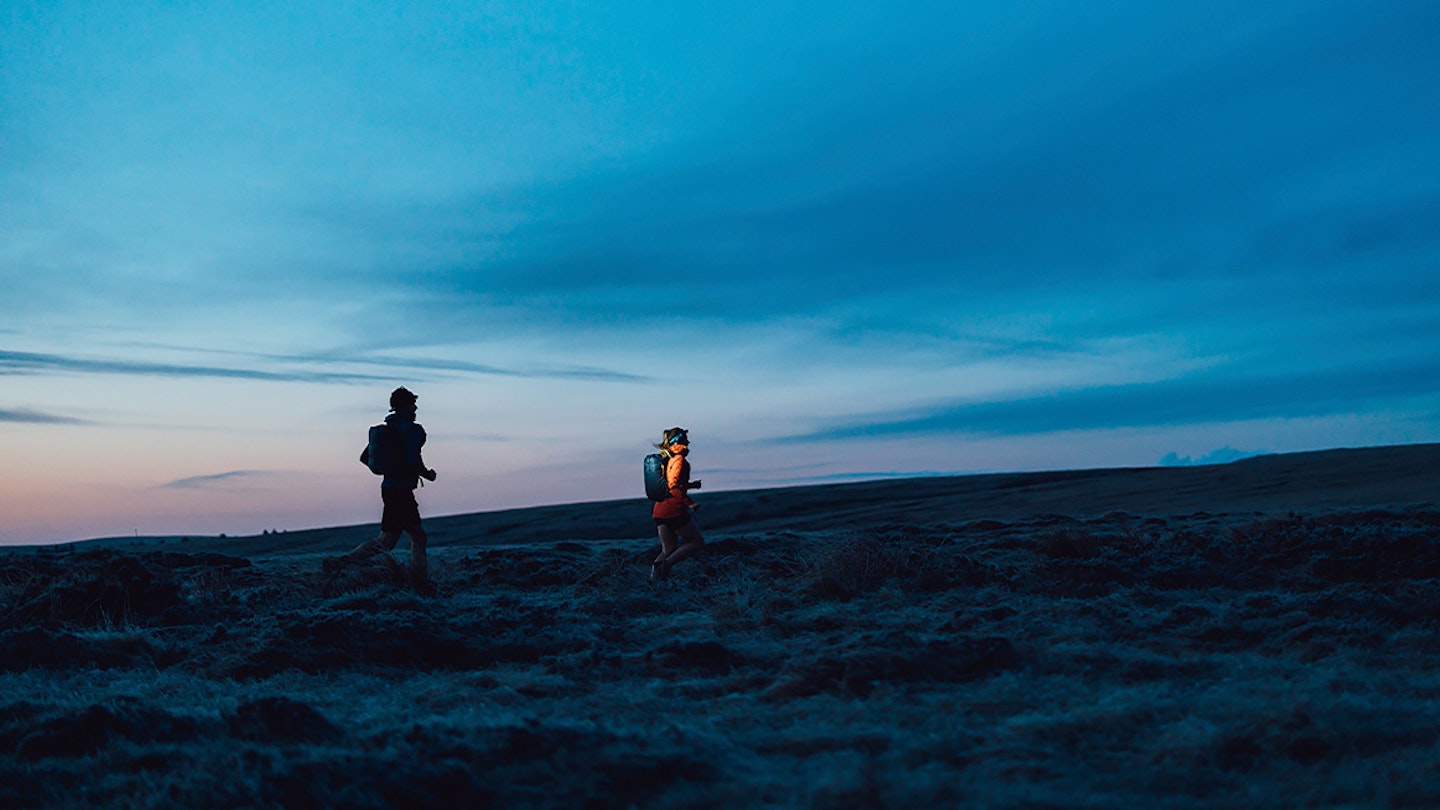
{"x": 370, "y": 548}
{"x": 668, "y": 542}
{"x": 379, "y": 545}
{"x": 419, "y": 563}
{"x": 694, "y": 541}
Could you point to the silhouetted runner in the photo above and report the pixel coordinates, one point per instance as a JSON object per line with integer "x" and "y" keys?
{"x": 403, "y": 468}
{"x": 672, "y": 515}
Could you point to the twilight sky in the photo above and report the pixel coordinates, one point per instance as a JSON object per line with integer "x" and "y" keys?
{"x": 835, "y": 240}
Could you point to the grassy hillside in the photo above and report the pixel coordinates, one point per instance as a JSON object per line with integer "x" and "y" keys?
{"x": 1016, "y": 641}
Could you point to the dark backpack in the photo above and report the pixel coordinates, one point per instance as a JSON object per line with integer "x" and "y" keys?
{"x": 385, "y": 453}
{"x": 656, "y": 487}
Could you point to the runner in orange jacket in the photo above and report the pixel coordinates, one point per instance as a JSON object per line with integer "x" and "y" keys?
{"x": 672, "y": 515}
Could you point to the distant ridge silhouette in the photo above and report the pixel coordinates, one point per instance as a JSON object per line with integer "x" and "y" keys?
{"x": 1391, "y": 476}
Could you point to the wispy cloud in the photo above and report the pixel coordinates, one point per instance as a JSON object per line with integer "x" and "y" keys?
{"x": 33, "y": 363}
{"x": 207, "y": 481}
{"x": 434, "y": 364}
{"x": 29, "y": 417}
{"x": 1214, "y": 396}
{"x": 413, "y": 364}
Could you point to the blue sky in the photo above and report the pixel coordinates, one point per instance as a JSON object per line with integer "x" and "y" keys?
{"x": 835, "y": 240}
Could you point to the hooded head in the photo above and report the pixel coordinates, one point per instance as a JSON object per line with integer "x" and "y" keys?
{"x": 402, "y": 400}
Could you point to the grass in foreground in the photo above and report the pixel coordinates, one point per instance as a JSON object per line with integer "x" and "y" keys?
{"x": 1053, "y": 663}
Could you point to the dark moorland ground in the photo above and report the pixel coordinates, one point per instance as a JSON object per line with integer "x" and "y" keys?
{"x": 1259, "y": 634}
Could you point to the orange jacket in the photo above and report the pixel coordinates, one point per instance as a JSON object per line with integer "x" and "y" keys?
{"x": 677, "y": 475}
